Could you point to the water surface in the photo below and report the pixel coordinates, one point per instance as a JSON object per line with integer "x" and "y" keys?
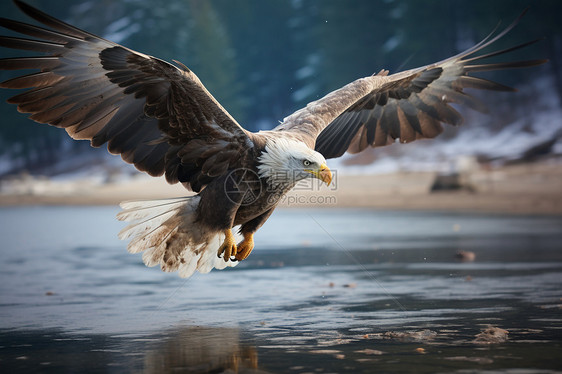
{"x": 325, "y": 291}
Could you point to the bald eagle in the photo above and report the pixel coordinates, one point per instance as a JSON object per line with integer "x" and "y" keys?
{"x": 160, "y": 118}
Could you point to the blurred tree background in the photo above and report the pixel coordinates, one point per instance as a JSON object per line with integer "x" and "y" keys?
{"x": 264, "y": 59}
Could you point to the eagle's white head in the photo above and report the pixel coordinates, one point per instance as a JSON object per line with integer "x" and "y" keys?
{"x": 287, "y": 161}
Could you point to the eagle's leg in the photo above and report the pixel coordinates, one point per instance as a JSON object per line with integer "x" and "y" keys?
{"x": 248, "y": 229}
{"x": 228, "y": 247}
{"x": 245, "y": 247}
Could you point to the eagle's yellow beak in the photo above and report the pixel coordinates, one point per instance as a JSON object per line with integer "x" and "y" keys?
{"x": 323, "y": 173}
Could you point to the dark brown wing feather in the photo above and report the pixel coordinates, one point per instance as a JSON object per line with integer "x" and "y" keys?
{"x": 412, "y": 105}
{"x": 158, "y": 117}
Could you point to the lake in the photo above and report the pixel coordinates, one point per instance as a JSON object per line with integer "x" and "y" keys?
{"x": 325, "y": 291}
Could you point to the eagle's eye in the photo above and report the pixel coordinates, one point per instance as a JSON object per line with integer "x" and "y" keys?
{"x": 306, "y": 163}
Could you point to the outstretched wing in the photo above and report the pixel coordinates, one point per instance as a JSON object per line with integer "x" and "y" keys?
{"x": 378, "y": 110}
{"x": 157, "y": 116}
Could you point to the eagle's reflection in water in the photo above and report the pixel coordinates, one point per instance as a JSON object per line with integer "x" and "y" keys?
{"x": 202, "y": 350}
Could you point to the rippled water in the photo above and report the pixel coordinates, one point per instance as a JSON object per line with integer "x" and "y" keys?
{"x": 325, "y": 291}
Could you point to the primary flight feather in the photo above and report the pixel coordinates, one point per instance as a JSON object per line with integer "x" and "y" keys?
{"x": 160, "y": 118}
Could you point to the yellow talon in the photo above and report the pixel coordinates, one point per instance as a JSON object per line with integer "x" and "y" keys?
{"x": 245, "y": 247}
{"x": 228, "y": 247}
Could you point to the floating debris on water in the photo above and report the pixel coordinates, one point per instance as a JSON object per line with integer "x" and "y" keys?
{"x": 466, "y": 256}
{"x": 411, "y": 336}
{"x": 480, "y": 360}
{"x": 491, "y": 335}
{"x": 368, "y": 351}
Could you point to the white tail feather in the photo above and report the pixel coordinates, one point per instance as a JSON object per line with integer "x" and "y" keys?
{"x": 168, "y": 234}
{"x": 143, "y": 227}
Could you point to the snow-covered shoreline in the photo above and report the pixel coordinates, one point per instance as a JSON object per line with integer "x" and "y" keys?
{"x": 526, "y": 188}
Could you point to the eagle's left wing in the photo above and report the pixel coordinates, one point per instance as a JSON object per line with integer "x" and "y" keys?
{"x": 157, "y": 116}
{"x": 378, "y": 110}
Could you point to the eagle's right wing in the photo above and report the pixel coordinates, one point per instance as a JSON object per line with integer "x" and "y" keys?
{"x": 158, "y": 117}
{"x": 379, "y": 110}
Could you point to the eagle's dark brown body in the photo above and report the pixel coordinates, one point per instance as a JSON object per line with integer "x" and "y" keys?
{"x": 241, "y": 197}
